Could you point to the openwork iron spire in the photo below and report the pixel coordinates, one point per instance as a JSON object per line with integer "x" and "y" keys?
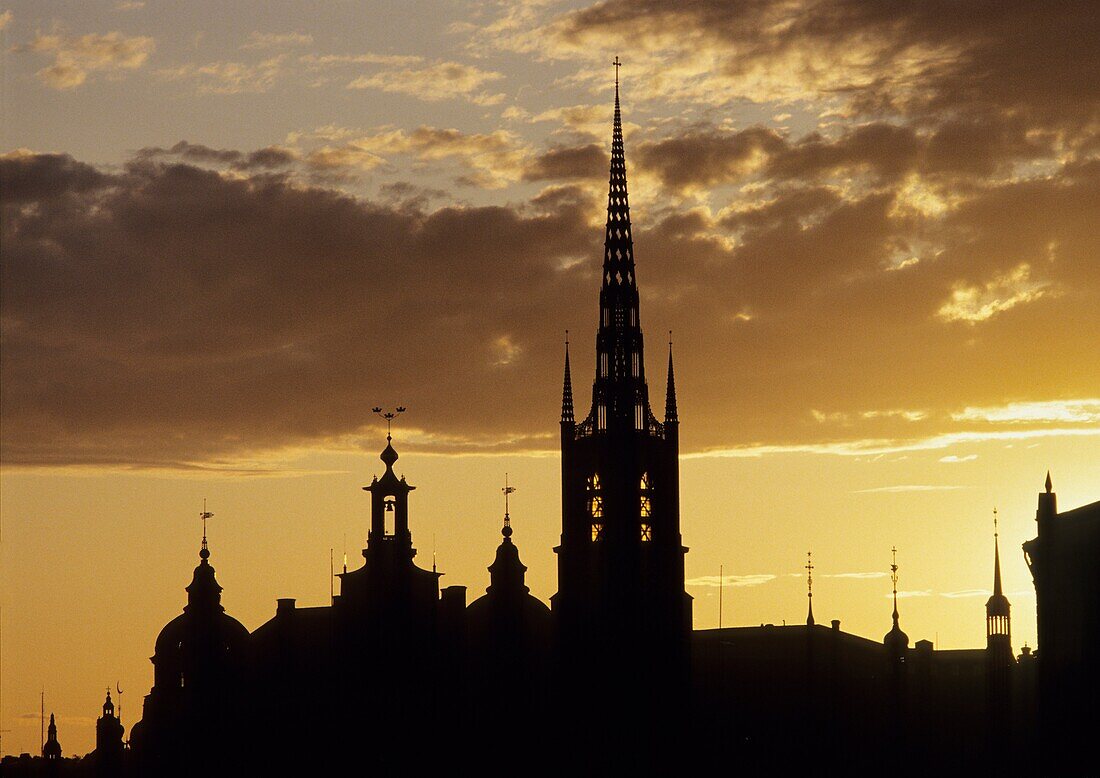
{"x": 567, "y": 388}
{"x": 618, "y": 256}
{"x": 670, "y": 390}
{"x": 620, "y": 397}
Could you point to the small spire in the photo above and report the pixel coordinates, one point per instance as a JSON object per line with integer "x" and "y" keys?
{"x": 670, "y": 391}
{"x": 997, "y": 592}
{"x": 1049, "y": 484}
{"x": 567, "y": 389}
{"x": 809, "y": 589}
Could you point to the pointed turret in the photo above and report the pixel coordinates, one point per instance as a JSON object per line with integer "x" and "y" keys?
{"x": 51, "y": 749}
{"x": 567, "y": 389}
{"x": 998, "y": 631}
{"x": 204, "y": 594}
{"x": 670, "y": 389}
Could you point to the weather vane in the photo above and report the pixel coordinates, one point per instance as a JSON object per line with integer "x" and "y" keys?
{"x": 507, "y": 491}
{"x": 389, "y": 416}
{"x": 204, "y": 516}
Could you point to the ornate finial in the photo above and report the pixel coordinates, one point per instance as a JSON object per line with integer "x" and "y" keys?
{"x": 204, "y": 552}
{"x": 894, "y": 580}
{"x": 617, "y": 65}
{"x": 1050, "y": 484}
{"x": 810, "y": 588}
{"x": 506, "y": 530}
{"x": 389, "y": 416}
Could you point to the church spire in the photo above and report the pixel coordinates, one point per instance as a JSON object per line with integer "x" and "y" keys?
{"x": 998, "y": 625}
{"x": 618, "y": 258}
{"x": 567, "y": 389}
{"x": 996, "y": 558}
{"x": 670, "y": 390}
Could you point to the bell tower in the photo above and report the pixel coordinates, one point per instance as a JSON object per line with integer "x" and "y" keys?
{"x": 623, "y": 614}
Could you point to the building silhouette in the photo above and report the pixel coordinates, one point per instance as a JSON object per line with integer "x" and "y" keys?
{"x": 1062, "y": 559}
{"x": 396, "y": 675}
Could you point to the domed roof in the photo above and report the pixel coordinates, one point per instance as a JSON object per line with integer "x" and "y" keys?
{"x": 181, "y": 633}
{"x": 203, "y": 617}
{"x": 896, "y": 638}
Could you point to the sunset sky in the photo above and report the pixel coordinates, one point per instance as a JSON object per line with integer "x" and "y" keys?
{"x": 230, "y": 229}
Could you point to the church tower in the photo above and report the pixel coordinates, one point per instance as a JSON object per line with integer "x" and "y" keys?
{"x": 999, "y": 659}
{"x": 623, "y": 614}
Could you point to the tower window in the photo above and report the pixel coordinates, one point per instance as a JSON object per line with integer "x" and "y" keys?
{"x": 639, "y": 417}
{"x": 603, "y": 365}
{"x": 645, "y": 507}
{"x": 595, "y": 505}
{"x": 634, "y": 364}
{"x": 601, "y": 417}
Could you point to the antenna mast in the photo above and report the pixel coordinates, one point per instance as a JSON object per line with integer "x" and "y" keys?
{"x": 721, "y": 571}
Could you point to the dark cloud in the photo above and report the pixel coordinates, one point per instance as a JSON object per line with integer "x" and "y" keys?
{"x": 271, "y": 157}
{"x": 564, "y": 163}
{"x": 169, "y": 314}
{"x": 1019, "y": 60}
{"x": 43, "y": 177}
{"x": 708, "y": 156}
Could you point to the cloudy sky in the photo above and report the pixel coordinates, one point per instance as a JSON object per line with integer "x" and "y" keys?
{"x": 229, "y": 230}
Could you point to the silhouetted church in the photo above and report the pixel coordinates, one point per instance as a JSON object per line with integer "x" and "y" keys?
{"x": 399, "y": 676}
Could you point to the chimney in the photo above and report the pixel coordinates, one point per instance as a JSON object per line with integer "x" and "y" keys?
{"x": 836, "y": 625}
{"x": 284, "y": 606}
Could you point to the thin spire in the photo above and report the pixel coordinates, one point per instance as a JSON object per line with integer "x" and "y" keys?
{"x": 997, "y": 592}
{"x": 894, "y": 580}
{"x": 204, "y": 552}
{"x": 809, "y": 589}
{"x": 1049, "y": 484}
{"x": 567, "y": 389}
{"x": 670, "y": 391}
{"x": 506, "y": 531}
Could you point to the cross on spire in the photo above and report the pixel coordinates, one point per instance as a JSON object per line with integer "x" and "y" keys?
{"x": 617, "y": 65}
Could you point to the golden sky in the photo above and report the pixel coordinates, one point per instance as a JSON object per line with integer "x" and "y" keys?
{"x": 230, "y": 230}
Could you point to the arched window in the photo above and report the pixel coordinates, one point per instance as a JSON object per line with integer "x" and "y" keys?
{"x": 645, "y": 507}
{"x": 594, "y": 503}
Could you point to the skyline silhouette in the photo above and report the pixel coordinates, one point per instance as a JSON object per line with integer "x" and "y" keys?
{"x": 857, "y": 304}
